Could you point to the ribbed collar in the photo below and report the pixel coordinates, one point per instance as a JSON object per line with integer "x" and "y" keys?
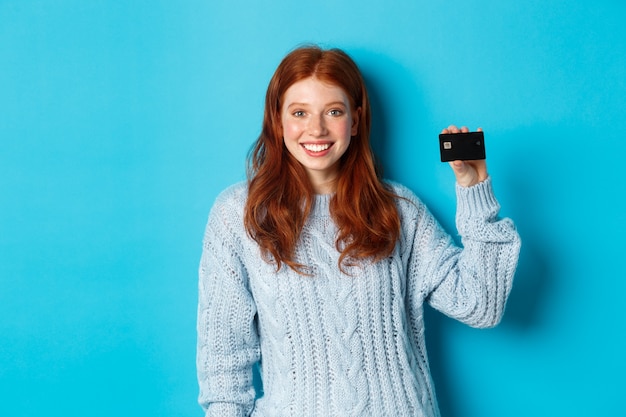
{"x": 321, "y": 205}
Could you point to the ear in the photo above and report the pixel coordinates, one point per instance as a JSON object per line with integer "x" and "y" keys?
{"x": 356, "y": 116}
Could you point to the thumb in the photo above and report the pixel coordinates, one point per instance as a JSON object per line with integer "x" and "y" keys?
{"x": 459, "y": 167}
{"x": 465, "y": 174}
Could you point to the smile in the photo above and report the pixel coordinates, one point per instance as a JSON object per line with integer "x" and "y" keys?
{"x": 316, "y": 147}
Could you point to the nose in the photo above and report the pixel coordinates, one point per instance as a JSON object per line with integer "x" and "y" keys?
{"x": 317, "y": 126}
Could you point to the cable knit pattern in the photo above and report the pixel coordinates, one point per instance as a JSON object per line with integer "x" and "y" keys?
{"x": 342, "y": 345}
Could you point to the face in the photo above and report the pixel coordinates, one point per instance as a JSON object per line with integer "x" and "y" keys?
{"x": 318, "y": 122}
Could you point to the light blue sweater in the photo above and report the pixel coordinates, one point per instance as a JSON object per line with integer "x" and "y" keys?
{"x": 334, "y": 344}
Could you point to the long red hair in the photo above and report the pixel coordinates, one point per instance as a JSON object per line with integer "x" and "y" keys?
{"x": 280, "y": 194}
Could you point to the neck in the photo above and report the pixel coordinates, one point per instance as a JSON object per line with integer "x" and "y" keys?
{"x": 323, "y": 184}
{"x": 324, "y": 187}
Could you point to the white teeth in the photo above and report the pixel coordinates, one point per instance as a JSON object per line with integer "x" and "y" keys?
{"x": 316, "y": 147}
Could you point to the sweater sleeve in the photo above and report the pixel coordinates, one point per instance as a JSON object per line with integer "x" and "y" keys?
{"x": 472, "y": 283}
{"x": 228, "y": 344}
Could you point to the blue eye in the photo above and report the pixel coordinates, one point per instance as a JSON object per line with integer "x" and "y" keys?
{"x": 335, "y": 112}
{"x": 298, "y": 113}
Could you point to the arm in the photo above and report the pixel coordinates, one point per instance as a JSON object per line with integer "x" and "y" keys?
{"x": 472, "y": 284}
{"x": 228, "y": 343}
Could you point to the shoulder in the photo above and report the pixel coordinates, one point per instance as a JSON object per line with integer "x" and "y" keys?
{"x": 230, "y": 202}
{"x": 399, "y": 189}
{"x": 226, "y": 215}
{"x": 235, "y": 194}
{"x": 406, "y": 200}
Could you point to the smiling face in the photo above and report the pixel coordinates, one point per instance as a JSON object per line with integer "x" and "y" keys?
{"x": 318, "y": 122}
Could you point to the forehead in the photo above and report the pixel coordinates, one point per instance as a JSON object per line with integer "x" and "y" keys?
{"x": 312, "y": 89}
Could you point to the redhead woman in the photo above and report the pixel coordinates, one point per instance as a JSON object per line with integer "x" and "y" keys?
{"x": 317, "y": 270}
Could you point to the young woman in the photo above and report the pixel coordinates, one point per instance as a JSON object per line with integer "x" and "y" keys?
{"x": 318, "y": 270}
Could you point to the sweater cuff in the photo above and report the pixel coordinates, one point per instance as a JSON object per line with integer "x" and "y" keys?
{"x": 477, "y": 201}
{"x": 226, "y": 410}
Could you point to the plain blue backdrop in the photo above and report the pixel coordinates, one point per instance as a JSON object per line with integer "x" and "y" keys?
{"x": 121, "y": 121}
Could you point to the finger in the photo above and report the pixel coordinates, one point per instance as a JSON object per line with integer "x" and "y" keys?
{"x": 480, "y": 129}
{"x": 457, "y": 166}
{"x": 453, "y": 129}
{"x": 464, "y": 129}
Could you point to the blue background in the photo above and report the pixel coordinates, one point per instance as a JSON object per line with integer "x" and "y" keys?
{"x": 121, "y": 121}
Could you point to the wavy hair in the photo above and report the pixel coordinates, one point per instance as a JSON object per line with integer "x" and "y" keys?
{"x": 280, "y": 195}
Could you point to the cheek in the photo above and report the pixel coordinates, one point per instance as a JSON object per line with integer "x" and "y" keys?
{"x": 347, "y": 129}
{"x": 291, "y": 129}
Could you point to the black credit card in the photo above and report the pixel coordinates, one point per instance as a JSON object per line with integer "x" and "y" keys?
{"x": 462, "y": 146}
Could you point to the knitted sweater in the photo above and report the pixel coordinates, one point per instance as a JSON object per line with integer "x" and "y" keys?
{"x": 333, "y": 344}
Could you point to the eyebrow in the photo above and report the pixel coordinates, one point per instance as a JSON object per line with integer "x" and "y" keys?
{"x": 334, "y": 103}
